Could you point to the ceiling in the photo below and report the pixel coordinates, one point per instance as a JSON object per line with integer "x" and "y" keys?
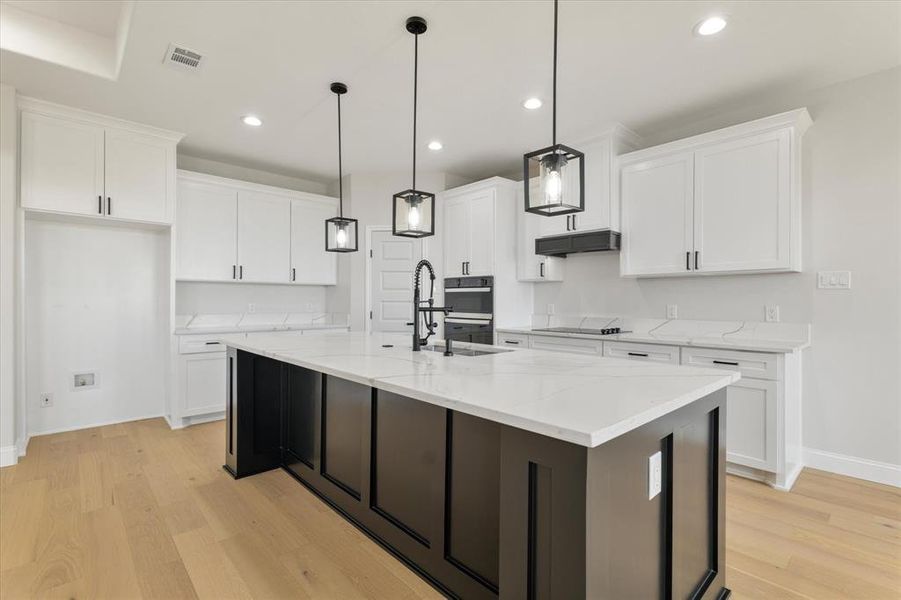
{"x": 633, "y": 62}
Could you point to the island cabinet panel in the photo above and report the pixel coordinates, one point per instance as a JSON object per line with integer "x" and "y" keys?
{"x": 253, "y": 413}
{"x": 345, "y": 413}
{"x": 302, "y": 414}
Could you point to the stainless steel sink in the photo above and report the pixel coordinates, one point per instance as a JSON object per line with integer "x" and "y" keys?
{"x": 465, "y": 351}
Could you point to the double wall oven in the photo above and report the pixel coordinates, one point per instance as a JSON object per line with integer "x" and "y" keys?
{"x": 472, "y": 316}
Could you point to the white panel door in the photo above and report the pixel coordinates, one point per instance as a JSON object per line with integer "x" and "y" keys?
{"x": 751, "y": 423}
{"x": 391, "y": 280}
{"x": 481, "y": 233}
{"x": 657, "y": 216}
{"x": 205, "y": 232}
{"x": 456, "y": 236}
{"x": 264, "y": 237}
{"x": 597, "y": 187}
{"x": 310, "y": 263}
{"x": 62, "y": 165}
{"x": 204, "y": 384}
{"x": 742, "y": 204}
{"x": 138, "y": 168}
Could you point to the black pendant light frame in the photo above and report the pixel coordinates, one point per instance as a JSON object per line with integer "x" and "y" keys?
{"x": 411, "y": 198}
{"x": 555, "y": 153}
{"x": 340, "y": 223}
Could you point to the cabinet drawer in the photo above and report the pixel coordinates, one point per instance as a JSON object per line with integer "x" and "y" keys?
{"x": 563, "y": 344}
{"x": 750, "y": 364}
{"x": 651, "y": 352}
{"x": 514, "y": 340}
{"x": 195, "y": 344}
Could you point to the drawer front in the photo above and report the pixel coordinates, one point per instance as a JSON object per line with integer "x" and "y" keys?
{"x": 563, "y": 344}
{"x": 752, "y": 424}
{"x": 650, "y": 352}
{"x": 750, "y": 364}
{"x": 196, "y": 344}
{"x": 514, "y": 340}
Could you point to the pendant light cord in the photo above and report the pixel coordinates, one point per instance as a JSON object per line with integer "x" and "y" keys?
{"x": 554, "y": 99}
{"x": 415, "y": 98}
{"x": 340, "y": 170}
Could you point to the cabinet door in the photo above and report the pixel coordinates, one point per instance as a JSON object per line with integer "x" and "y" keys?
{"x": 657, "y": 215}
{"x": 456, "y": 236}
{"x": 205, "y": 232}
{"x": 481, "y": 233}
{"x": 751, "y": 423}
{"x": 742, "y": 204}
{"x": 264, "y": 237}
{"x": 204, "y": 384}
{"x": 138, "y": 181}
{"x": 531, "y": 266}
{"x": 310, "y": 263}
{"x": 62, "y": 165}
{"x": 597, "y": 214}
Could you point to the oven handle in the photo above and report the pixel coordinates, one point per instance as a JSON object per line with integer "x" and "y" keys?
{"x": 468, "y": 290}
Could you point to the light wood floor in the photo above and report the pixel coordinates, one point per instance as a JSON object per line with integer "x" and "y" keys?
{"x": 139, "y": 511}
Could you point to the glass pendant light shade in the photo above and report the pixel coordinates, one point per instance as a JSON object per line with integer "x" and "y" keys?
{"x": 413, "y": 214}
{"x": 559, "y": 172}
{"x": 341, "y": 235}
{"x": 340, "y": 231}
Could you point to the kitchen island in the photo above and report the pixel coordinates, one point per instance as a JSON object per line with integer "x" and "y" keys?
{"x": 519, "y": 474}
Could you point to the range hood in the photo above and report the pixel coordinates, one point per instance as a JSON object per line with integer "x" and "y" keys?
{"x": 588, "y": 241}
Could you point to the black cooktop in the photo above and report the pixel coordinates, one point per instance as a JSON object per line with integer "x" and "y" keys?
{"x": 604, "y": 331}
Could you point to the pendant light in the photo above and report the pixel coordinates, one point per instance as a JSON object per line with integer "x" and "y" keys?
{"x": 559, "y": 170}
{"x": 413, "y": 211}
{"x": 340, "y": 231}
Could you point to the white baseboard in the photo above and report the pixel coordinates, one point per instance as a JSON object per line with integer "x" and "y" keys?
{"x": 195, "y": 420}
{"x": 9, "y": 455}
{"x": 97, "y": 424}
{"x": 861, "y": 468}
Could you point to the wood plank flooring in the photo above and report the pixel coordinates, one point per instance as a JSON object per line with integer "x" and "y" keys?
{"x": 139, "y": 511}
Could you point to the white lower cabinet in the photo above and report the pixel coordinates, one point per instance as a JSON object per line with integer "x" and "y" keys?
{"x": 204, "y": 384}
{"x": 648, "y": 352}
{"x": 566, "y": 344}
{"x": 515, "y": 340}
{"x": 751, "y": 424}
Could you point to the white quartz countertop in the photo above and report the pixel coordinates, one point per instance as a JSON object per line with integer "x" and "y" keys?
{"x": 586, "y": 400}
{"x": 252, "y": 328}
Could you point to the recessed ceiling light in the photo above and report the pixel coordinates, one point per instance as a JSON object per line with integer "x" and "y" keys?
{"x": 532, "y": 103}
{"x": 710, "y": 26}
{"x": 252, "y": 121}
{"x": 435, "y": 145}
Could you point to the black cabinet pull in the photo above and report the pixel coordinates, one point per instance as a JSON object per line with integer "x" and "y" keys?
{"x": 109, "y": 205}
{"x": 687, "y": 261}
{"x": 696, "y": 259}
{"x": 511, "y": 342}
{"x": 574, "y": 222}
{"x": 638, "y": 354}
{"x": 100, "y": 204}
{"x": 293, "y": 274}
{"x": 725, "y": 362}
{"x": 241, "y": 272}
{"x": 541, "y": 270}
{"x": 234, "y": 271}
{"x": 567, "y": 222}
{"x": 211, "y": 343}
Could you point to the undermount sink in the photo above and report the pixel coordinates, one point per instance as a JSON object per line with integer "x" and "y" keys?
{"x": 465, "y": 351}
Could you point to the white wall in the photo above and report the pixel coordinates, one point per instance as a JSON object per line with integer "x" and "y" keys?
{"x": 851, "y": 221}
{"x": 8, "y": 243}
{"x": 221, "y": 169}
{"x": 97, "y": 299}
{"x": 221, "y": 298}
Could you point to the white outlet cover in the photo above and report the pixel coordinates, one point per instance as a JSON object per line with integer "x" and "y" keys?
{"x": 550, "y": 309}
{"x": 771, "y": 312}
{"x": 834, "y": 280}
{"x": 672, "y": 311}
{"x": 655, "y": 474}
{"x": 46, "y": 400}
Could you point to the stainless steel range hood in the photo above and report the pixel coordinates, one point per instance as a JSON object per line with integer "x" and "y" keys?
{"x": 599, "y": 240}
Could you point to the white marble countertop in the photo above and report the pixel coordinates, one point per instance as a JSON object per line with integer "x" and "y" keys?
{"x": 732, "y": 335}
{"x": 586, "y": 400}
{"x": 256, "y": 322}
{"x": 253, "y": 328}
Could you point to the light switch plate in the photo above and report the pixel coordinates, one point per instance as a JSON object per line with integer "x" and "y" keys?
{"x": 771, "y": 313}
{"x": 655, "y": 474}
{"x": 834, "y": 280}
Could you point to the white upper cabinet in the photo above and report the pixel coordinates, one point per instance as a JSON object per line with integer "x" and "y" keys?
{"x": 456, "y": 236}
{"x": 531, "y": 266}
{"x": 264, "y": 237}
{"x": 139, "y": 179}
{"x": 206, "y": 223}
{"x": 81, "y": 163}
{"x": 469, "y": 232}
{"x": 728, "y": 201}
{"x": 657, "y": 196}
{"x": 310, "y": 263}
{"x": 228, "y": 230}
{"x": 62, "y": 165}
{"x": 481, "y": 227}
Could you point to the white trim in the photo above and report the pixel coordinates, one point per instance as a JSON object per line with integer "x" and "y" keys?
{"x": 238, "y": 184}
{"x": 96, "y": 424}
{"x": 8, "y": 456}
{"x": 851, "y": 466}
{"x": 196, "y": 419}
{"x": 22, "y": 445}
{"x": 367, "y": 292}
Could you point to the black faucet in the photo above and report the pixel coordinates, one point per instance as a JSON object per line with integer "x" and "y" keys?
{"x": 428, "y": 309}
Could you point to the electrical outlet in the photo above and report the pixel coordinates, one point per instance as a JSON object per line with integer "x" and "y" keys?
{"x": 672, "y": 311}
{"x": 46, "y": 400}
{"x": 655, "y": 474}
{"x": 772, "y": 313}
{"x": 309, "y": 307}
{"x": 251, "y": 308}
{"x": 834, "y": 280}
{"x": 550, "y": 309}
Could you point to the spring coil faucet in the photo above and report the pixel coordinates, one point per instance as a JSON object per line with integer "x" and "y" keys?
{"x": 429, "y": 309}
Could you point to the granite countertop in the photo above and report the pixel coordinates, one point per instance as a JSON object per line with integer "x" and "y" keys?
{"x": 586, "y": 400}
{"x": 732, "y": 335}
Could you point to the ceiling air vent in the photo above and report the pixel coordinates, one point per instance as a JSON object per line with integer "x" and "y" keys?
{"x": 182, "y": 58}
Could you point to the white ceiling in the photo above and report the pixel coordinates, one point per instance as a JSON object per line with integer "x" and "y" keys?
{"x": 633, "y": 62}
{"x": 97, "y": 16}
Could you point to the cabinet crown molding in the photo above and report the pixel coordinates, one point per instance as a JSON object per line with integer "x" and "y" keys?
{"x": 798, "y": 119}
{"x": 478, "y": 185}
{"x": 51, "y": 109}
{"x": 249, "y": 186}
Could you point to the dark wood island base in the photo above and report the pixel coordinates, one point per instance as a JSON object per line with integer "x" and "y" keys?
{"x": 480, "y": 509}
